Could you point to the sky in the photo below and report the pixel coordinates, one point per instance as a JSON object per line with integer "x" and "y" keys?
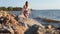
{"x": 34, "y": 4}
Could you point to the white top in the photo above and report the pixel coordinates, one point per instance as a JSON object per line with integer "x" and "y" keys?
{"x": 27, "y": 9}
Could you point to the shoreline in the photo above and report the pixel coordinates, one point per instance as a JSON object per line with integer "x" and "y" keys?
{"x": 49, "y": 20}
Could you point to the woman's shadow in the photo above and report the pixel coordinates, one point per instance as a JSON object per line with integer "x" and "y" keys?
{"x": 32, "y": 30}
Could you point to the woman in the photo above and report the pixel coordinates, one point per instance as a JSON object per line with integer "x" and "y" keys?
{"x": 26, "y": 11}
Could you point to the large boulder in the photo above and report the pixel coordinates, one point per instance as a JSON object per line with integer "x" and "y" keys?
{"x": 22, "y": 25}
{"x": 9, "y": 24}
{"x": 32, "y": 26}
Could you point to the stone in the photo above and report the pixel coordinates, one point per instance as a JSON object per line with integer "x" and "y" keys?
{"x": 8, "y": 22}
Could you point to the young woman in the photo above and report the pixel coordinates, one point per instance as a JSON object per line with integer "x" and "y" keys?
{"x": 26, "y": 10}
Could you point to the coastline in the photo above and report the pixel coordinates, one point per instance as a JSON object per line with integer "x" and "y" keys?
{"x": 26, "y": 26}
{"x": 48, "y": 20}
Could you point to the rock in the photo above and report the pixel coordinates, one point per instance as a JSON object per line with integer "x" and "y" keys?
{"x": 32, "y": 30}
{"x": 12, "y": 24}
{"x": 49, "y": 26}
{"x": 32, "y": 26}
{"x": 30, "y": 22}
{"x": 9, "y": 23}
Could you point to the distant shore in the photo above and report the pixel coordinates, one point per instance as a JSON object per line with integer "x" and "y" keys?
{"x": 11, "y": 8}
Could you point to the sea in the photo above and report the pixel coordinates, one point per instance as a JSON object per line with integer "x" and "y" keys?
{"x": 50, "y": 14}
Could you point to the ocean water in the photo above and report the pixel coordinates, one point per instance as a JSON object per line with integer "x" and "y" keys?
{"x": 50, "y": 14}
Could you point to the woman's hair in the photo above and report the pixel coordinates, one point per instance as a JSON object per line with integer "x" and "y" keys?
{"x": 26, "y": 4}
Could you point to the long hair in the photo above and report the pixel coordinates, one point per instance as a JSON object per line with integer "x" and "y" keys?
{"x": 26, "y": 4}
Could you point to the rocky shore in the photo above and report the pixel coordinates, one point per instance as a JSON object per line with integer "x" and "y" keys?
{"x": 11, "y": 24}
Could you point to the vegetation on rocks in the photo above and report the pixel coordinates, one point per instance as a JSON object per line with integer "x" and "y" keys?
{"x": 10, "y": 8}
